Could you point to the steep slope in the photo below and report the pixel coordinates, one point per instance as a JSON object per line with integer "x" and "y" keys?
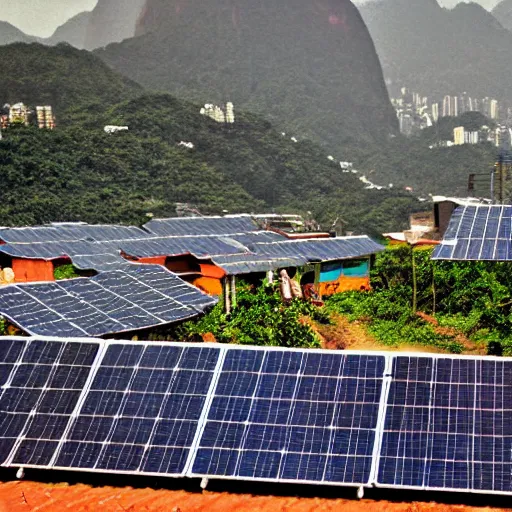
{"x": 73, "y": 31}
{"x": 10, "y": 34}
{"x": 307, "y": 65}
{"x": 61, "y": 76}
{"x": 503, "y": 13}
{"x": 440, "y": 51}
{"x": 112, "y": 21}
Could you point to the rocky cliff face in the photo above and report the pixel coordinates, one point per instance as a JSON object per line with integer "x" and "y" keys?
{"x": 503, "y": 13}
{"x": 308, "y": 65}
{"x": 112, "y": 21}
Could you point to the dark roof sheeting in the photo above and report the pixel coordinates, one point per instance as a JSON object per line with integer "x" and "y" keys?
{"x": 198, "y": 226}
{"x": 320, "y": 249}
{"x": 239, "y": 264}
{"x": 478, "y": 233}
{"x": 137, "y": 297}
{"x": 70, "y": 232}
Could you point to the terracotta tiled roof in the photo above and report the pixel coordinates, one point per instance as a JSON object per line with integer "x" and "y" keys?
{"x": 21, "y": 496}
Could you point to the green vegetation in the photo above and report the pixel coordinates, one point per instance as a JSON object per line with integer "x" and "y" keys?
{"x": 259, "y": 318}
{"x": 470, "y": 302}
{"x": 61, "y": 76}
{"x": 67, "y": 271}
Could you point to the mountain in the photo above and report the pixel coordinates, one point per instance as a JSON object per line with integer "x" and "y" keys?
{"x": 73, "y": 31}
{"x": 439, "y": 51}
{"x": 10, "y": 34}
{"x": 503, "y": 13}
{"x": 61, "y": 76}
{"x": 78, "y": 172}
{"x": 309, "y": 66}
{"x": 112, "y": 21}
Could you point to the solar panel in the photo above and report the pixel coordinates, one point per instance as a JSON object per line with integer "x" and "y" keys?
{"x": 40, "y": 386}
{"x": 142, "y": 410}
{"x": 140, "y": 296}
{"x": 292, "y": 416}
{"x": 482, "y": 232}
{"x": 186, "y": 226}
{"x": 323, "y": 249}
{"x": 448, "y": 425}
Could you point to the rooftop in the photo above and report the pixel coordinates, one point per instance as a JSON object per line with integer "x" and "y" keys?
{"x": 24, "y": 496}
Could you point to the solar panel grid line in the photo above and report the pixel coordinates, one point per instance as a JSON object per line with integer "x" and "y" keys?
{"x": 126, "y": 299}
{"x": 78, "y": 407}
{"x": 204, "y": 413}
{"x": 381, "y": 418}
{"x": 305, "y": 460}
{"x": 89, "y": 304}
{"x": 122, "y": 463}
{"x": 467, "y": 436}
{"x": 22, "y": 435}
{"x": 23, "y": 290}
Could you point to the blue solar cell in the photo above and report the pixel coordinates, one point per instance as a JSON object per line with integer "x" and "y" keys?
{"x": 143, "y": 409}
{"x": 447, "y": 423}
{"x": 39, "y": 395}
{"x": 280, "y": 411}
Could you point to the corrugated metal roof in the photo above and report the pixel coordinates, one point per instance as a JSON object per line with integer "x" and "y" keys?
{"x": 183, "y": 226}
{"x": 320, "y": 249}
{"x": 239, "y": 264}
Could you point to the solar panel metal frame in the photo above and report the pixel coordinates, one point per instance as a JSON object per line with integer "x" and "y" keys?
{"x": 381, "y": 412}
{"x": 378, "y": 454}
{"x": 103, "y": 347}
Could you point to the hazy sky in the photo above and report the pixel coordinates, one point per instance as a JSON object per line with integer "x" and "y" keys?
{"x": 42, "y": 17}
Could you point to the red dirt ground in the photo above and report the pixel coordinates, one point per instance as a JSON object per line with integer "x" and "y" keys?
{"x": 22, "y": 496}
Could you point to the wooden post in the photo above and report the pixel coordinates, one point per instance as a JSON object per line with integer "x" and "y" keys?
{"x": 227, "y": 301}
{"x": 233, "y": 291}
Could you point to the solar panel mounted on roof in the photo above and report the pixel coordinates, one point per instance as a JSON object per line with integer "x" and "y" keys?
{"x": 292, "y": 416}
{"x": 186, "y": 226}
{"x": 142, "y": 410}
{"x": 448, "y": 425}
{"x": 323, "y": 249}
{"x": 40, "y": 386}
{"x": 478, "y": 233}
{"x": 140, "y": 296}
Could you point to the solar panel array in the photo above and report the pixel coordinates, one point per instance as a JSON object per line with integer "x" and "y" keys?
{"x": 482, "y": 232}
{"x": 336, "y": 418}
{"x": 139, "y": 296}
{"x": 99, "y": 247}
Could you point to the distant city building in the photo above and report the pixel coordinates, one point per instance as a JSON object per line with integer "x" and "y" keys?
{"x": 458, "y": 135}
{"x": 218, "y": 114}
{"x": 45, "y": 117}
{"x": 435, "y": 112}
{"x": 493, "y": 109}
{"x": 18, "y": 114}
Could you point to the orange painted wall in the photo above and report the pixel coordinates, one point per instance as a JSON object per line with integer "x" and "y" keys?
{"x": 344, "y": 284}
{"x": 154, "y": 260}
{"x": 26, "y": 271}
{"x": 209, "y": 270}
{"x": 209, "y": 285}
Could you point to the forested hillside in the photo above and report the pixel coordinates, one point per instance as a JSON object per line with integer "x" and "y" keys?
{"x": 503, "y": 13}
{"x": 78, "y": 172}
{"x": 61, "y": 76}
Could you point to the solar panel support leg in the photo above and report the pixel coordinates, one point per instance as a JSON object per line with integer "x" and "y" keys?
{"x": 204, "y": 483}
{"x": 20, "y": 474}
{"x": 360, "y": 492}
